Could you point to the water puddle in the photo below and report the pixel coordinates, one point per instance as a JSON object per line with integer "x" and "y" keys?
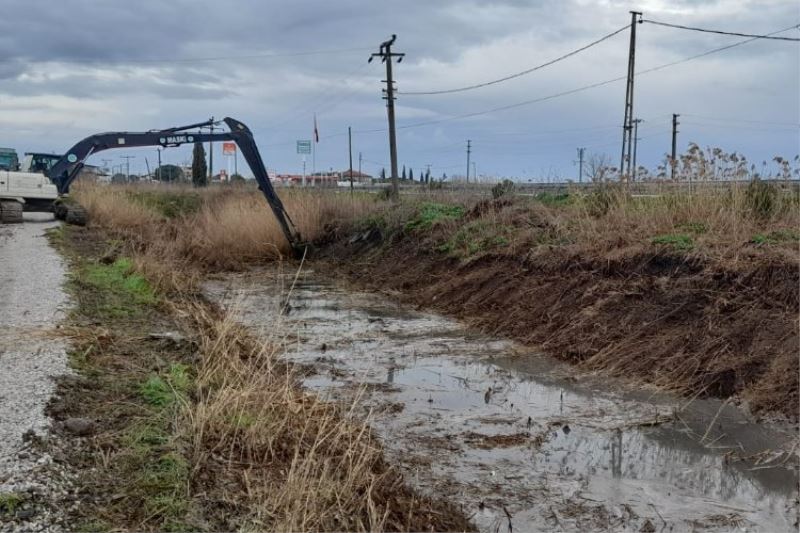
{"x": 520, "y": 440}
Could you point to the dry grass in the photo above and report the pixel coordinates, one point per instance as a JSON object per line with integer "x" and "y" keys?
{"x": 277, "y": 458}
{"x": 226, "y": 228}
{"x": 263, "y": 453}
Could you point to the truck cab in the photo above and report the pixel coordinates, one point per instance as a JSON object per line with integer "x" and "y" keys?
{"x": 8, "y": 159}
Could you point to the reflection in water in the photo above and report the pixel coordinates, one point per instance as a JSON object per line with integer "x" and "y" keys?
{"x": 616, "y": 454}
{"x": 453, "y": 385}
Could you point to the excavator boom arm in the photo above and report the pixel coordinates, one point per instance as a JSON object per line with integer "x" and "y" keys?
{"x": 66, "y": 169}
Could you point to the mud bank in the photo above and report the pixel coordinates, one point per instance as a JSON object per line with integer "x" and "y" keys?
{"x": 681, "y": 322}
{"x": 522, "y": 441}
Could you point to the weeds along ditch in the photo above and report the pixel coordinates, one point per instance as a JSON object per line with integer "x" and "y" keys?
{"x": 692, "y": 291}
{"x": 199, "y": 425}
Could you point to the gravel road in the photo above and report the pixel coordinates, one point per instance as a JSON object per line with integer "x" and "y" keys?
{"x": 32, "y": 301}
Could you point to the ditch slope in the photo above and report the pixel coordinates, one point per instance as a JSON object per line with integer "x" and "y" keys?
{"x": 678, "y": 320}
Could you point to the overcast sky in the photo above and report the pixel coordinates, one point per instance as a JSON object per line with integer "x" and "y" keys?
{"x": 76, "y": 67}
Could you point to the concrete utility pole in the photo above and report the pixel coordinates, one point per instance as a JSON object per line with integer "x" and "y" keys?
{"x": 160, "y": 177}
{"x": 673, "y": 161}
{"x": 127, "y": 159}
{"x": 635, "y": 145}
{"x": 469, "y": 150}
{"x": 627, "y": 125}
{"x": 580, "y": 164}
{"x": 386, "y": 55}
{"x": 211, "y": 129}
{"x": 350, "y": 149}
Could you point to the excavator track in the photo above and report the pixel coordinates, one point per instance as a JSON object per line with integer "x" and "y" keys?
{"x": 70, "y": 213}
{"x": 10, "y": 212}
{"x": 76, "y": 215}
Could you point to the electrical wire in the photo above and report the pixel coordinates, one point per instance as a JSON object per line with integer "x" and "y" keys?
{"x": 735, "y": 34}
{"x": 518, "y": 74}
{"x": 585, "y": 87}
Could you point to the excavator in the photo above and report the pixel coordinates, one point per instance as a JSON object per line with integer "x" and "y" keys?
{"x": 20, "y": 192}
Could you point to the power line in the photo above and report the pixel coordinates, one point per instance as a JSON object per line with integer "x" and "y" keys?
{"x": 735, "y": 34}
{"x": 518, "y": 74}
{"x": 583, "y": 88}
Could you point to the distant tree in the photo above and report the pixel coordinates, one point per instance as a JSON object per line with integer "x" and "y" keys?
{"x": 410, "y": 174}
{"x": 404, "y": 173}
{"x": 237, "y": 178}
{"x": 383, "y": 173}
{"x": 199, "y": 167}
{"x": 169, "y": 173}
{"x": 119, "y": 177}
{"x": 444, "y": 176}
{"x": 428, "y": 176}
{"x": 598, "y": 167}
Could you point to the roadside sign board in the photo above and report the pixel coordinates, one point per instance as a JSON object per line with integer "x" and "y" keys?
{"x": 303, "y": 147}
{"x": 228, "y": 148}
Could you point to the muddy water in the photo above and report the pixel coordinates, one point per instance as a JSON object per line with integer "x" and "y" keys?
{"x": 517, "y": 438}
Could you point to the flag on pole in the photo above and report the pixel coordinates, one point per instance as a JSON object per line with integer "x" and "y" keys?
{"x": 316, "y": 131}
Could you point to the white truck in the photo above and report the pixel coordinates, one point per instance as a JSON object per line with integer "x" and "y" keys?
{"x": 29, "y": 189}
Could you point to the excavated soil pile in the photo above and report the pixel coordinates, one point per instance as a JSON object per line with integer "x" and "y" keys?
{"x": 679, "y": 321}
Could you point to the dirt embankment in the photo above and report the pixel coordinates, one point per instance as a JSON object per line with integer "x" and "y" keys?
{"x": 677, "y": 320}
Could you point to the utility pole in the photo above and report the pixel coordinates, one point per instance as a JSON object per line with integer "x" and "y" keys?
{"x": 350, "y": 150}
{"x": 474, "y": 172}
{"x": 127, "y": 159}
{"x": 673, "y": 161}
{"x": 160, "y": 177}
{"x": 359, "y": 165}
{"x": 469, "y": 150}
{"x": 627, "y": 125}
{"x": 580, "y": 164}
{"x": 105, "y": 165}
{"x": 386, "y": 55}
{"x": 635, "y": 144}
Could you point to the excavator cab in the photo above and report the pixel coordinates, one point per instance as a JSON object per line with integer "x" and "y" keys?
{"x": 37, "y": 162}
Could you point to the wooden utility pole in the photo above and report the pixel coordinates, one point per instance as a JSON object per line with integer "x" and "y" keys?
{"x": 469, "y": 146}
{"x": 673, "y": 161}
{"x": 386, "y": 55}
{"x": 627, "y": 125}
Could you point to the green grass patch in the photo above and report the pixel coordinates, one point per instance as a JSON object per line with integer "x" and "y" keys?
{"x": 122, "y": 292}
{"x": 676, "y": 241}
{"x": 164, "y": 391}
{"x": 430, "y": 214}
{"x": 9, "y": 502}
{"x": 169, "y": 204}
{"x": 476, "y": 237}
{"x": 776, "y": 237}
{"x": 553, "y": 199}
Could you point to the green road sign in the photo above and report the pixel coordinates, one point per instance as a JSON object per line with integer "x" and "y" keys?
{"x": 303, "y": 147}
